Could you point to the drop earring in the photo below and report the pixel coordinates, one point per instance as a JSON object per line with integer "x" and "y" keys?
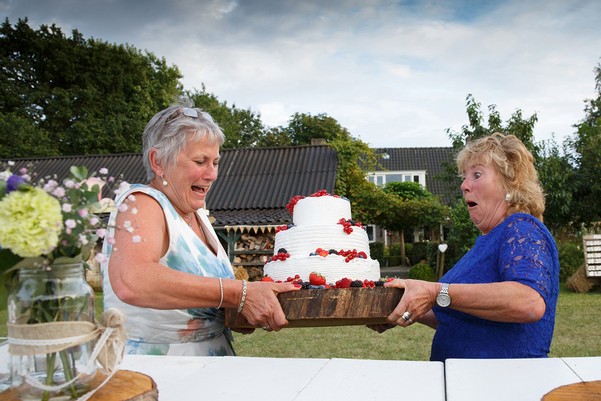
{"x": 507, "y": 197}
{"x": 165, "y": 183}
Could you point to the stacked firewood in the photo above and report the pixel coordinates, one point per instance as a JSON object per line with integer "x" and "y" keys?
{"x": 248, "y": 243}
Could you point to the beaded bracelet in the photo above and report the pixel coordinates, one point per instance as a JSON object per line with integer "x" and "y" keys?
{"x": 221, "y": 293}
{"x": 243, "y": 299}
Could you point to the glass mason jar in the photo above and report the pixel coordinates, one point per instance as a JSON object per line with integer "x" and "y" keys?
{"x": 43, "y": 294}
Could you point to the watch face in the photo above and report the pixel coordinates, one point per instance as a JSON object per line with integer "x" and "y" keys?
{"x": 443, "y": 300}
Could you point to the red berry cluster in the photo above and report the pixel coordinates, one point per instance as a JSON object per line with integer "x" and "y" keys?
{"x": 280, "y": 228}
{"x": 348, "y": 224}
{"x": 321, "y": 192}
{"x": 321, "y": 252}
{"x": 352, "y": 254}
{"x": 295, "y": 199}
{"x": 296, "y": 279}
{"x": 292, "y": 203}
{"x": 282, "y": 255}
{"x": 348, "y": 283}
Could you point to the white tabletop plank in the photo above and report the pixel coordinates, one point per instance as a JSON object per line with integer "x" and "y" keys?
{"x": 364, "y": 380}
{"x": 587, "y": 368}
{"x": 505, "y": 379}
{"x": 281, "y": 379}
{"x": 227, "y": 378}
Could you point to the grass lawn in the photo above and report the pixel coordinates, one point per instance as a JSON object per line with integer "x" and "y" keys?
{"x": 576, "y": 334}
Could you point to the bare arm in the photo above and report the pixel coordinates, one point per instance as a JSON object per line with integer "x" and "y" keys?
{"x": 502, "y": 302}
{"x": 138, "y": 277}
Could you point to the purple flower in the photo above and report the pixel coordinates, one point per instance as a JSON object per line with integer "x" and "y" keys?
{"x": 13, "y": 182}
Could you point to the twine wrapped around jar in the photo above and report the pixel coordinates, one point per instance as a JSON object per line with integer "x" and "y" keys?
{"x": 51, "y": 337}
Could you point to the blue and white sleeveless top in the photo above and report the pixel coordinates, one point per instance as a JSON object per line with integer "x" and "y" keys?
{"x": 198, "y": 331}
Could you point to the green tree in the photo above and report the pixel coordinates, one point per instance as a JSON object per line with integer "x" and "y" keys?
{"x": 302, "y": 128}
{"x": 556, "y": 175}
{"x": 417, "y": 208}
{"x": 516, "y": 125}
{"x": 242, "y": 128}
{"x": 587, "y": 159}
{"x": 76, "y": 96}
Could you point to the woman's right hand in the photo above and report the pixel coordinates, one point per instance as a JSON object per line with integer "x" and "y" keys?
{"x": 262, "y": 307}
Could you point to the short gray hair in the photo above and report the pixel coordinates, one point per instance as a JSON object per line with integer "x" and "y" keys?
{"x": 171, "y": 129}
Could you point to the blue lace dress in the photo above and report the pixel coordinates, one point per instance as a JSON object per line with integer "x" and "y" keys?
{"x": 197, "y": 331}
{"x": 519, "y": 249}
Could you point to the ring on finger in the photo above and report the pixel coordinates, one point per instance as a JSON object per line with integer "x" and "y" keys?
{"x": 406, "y": 316}
{"x": 267, "y": 327}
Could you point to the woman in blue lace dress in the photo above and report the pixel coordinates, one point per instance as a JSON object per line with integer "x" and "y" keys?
{"x": 499, "y": 300}
{"x": 165, "y": 268}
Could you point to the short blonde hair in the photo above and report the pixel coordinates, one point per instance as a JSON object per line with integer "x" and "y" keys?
{"x": 514, "y": 163}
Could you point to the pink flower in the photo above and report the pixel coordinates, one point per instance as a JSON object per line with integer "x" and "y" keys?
{"x": 100, "y": 257}
{"x": 59, "y": 192}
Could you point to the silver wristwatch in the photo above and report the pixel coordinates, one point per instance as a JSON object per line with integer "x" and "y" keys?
{"x": 443, "y": 299}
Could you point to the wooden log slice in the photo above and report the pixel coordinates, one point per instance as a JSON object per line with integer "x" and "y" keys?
{"x": 330, "y": 307}
{"x": 584, "y": 391}
{"x": 125, "y": 385}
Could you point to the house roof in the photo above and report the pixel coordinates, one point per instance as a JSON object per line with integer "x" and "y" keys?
{"x": 256, "y": 184}
{"x": 433, "y": 160}
{"x": 253, "y": 187}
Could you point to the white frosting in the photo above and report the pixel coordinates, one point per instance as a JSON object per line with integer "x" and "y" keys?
{"x": 320, "y": 211}
{"x": 316, "y": 226}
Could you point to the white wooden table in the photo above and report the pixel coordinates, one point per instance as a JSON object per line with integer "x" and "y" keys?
{"x": 265, "y": 379}
{"x": 588, "y": 369}
{"x": 515, "y": 379}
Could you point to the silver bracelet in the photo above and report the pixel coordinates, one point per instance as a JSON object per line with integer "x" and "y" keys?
{"x": 221, "y": 293}
{"x": 243, "y": 299}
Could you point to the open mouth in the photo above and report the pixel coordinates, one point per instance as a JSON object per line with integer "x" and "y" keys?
{"x": 471, "y": 204}
{"x": 200, "y": 190}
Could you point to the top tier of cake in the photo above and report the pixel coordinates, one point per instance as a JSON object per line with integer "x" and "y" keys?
{"x": 321, "y": 211}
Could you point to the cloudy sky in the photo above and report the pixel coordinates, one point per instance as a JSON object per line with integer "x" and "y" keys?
{"x": 395, "y": 73}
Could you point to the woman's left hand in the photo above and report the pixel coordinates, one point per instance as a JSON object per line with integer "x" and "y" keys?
{"x": 416, "y": 302}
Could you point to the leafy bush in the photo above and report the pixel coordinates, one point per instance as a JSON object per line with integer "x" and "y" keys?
{"x": 376, "y": 250}
{"x": 394, "y": 250}
{"x": 571, "y": 257}
{"x": 422, "y": 271}
{"x": 409, "y": 251}
{"x": 420, "y": 252}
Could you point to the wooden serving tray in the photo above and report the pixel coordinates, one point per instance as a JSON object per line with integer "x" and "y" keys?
{"x": 125, "y": 385}
{"x": 330, "y": 307}
{"x": 584, "y": 391}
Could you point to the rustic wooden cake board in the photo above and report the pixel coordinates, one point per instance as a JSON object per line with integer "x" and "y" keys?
{"x": 584, "y": 391}
{"x": 330, "y": 307}
{"x": 125, "y": 385}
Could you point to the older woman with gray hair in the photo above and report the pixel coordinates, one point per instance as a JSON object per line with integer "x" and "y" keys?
{"x": 165, "y": 268}
{"x": 499, "y": 300}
